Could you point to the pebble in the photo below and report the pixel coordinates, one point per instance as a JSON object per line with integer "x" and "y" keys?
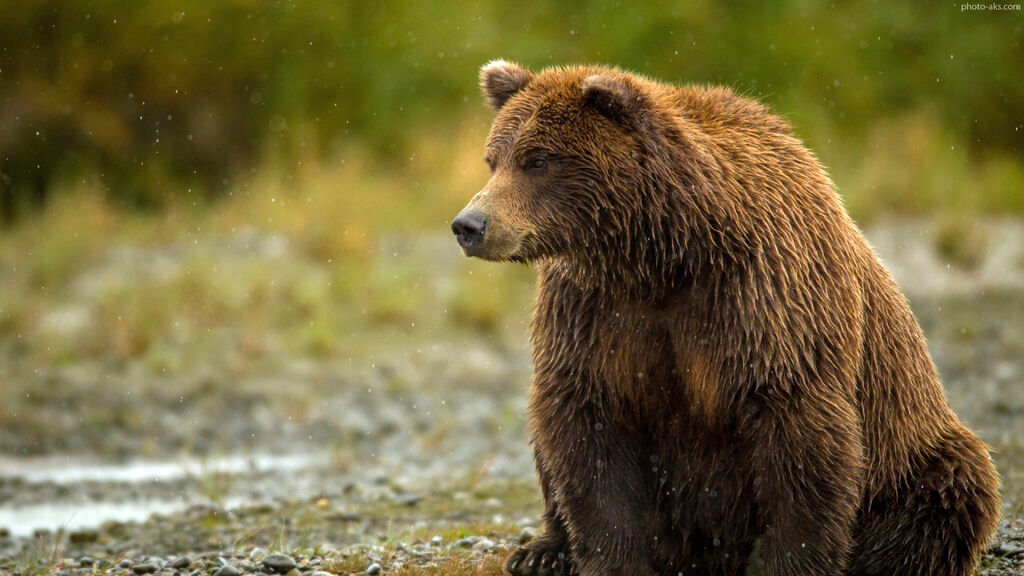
{"x": 181, "y": 562}
{"x": 280, "y": 563}
{"x": 373, "y": 569}
{"x": 321, "y": 573}
{"x": 143, "y": 568}
{"x": 436, "y": 541}
{"x": 484, "y": 545}
{"x": 228, "y": 571}
{"x": 257, "y": 554}
{"x": 86, "y": 562}
{"x": 467, "y": 542}
{"x": 1009, "y": 550}
{"x": 84, "y": 536}
{"x": 408, "y": 499}
{"x": 526, "y": 535}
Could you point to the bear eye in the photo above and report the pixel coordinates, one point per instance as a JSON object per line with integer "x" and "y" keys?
{"x": 490, "y": 162}
{"x": 536, "y": 164}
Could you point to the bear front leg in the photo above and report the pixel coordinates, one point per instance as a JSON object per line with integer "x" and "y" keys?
{"x": 602, "y": 492}
{"x": 547, "y": 554}
{"x": 808, "y": 461}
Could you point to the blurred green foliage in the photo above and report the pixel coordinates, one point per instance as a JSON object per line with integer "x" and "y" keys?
{"x": 163, "y": 100}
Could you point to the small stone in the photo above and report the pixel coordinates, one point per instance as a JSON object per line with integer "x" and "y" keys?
{"x": 84, "y": 536}
{"x": 228, "y": 571}
{"x": 526, "y": 535}
{"x": 484, "y": 545}
{"x": 126, "y": 563}
{"x": 408, "y": 499}
{"x": 86, "y": 562}
{"x": 257, "y": 554}
{"x": 436, "y": 541}
{"x": 373, "y": 569}
{"x": 321, "y": 573}
{"x": 1009, "y": 550}
{"x": 144, "y": 568}
{"x": 181, "y": 562}
{"x": 467, "y": 542}
{"x": 280, "y": 563}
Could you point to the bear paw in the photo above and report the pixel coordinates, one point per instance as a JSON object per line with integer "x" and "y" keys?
{"x": 542, "y": 557}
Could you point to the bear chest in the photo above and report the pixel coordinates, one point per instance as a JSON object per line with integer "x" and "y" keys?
{"x": 625, "y": 349}
{"x": 644, "y": 357}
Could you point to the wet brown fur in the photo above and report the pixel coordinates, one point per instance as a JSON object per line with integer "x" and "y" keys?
{"x": 720, "y": 359}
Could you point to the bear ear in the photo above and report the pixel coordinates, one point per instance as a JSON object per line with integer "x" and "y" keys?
{"x": 500, "y": 80}
{"x": 613, "y": 96}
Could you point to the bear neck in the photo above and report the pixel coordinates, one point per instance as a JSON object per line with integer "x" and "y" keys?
{"x": 646, "y": 263}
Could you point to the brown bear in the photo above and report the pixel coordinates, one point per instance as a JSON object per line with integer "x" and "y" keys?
{"x": 720, "y": 359}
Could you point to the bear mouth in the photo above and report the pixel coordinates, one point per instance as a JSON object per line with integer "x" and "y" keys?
{"x": 502, "y": 246}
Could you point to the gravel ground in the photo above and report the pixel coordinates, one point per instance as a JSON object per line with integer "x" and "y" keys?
{"x": 411, "y": 459}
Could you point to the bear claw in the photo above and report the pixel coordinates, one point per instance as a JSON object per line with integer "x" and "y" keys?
{"x": 537, "y": 561}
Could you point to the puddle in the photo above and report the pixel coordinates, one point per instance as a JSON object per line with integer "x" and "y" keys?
{"x": 67, "y": 470}
{"x": 83, "y": 512}
{"x": 25, "y": 520}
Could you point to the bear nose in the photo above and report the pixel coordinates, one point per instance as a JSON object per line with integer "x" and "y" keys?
{"x": 469, "y": 228}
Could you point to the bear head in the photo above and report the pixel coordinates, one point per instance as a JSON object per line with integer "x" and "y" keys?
{"x": 570, "y": 154}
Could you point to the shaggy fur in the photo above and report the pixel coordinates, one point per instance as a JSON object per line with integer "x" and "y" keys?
{"x": 720, "y": 359}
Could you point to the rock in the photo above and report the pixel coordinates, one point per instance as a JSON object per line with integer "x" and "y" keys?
{"x": 228, "y": 571}
{"x": 321, "y": 573}
{"x": 84, "y": 536}
{"x": 485, "y": 545}
{"x": 257, "y": 554}
{"x": 279, "y": 563}
{"x": 86, "y": 562}
{"x": 126, "y": 563}
{"x": 181, "y": 562}
{"x": 408, "y": 499}
{"x": 436, "y": 541}
{"x": 526, "y": 535}
{"x": 373, "y": 569}
{"x": 1008, "y": 550}
{"x": 145, "y": 568}
{"x": 467, "y": 542}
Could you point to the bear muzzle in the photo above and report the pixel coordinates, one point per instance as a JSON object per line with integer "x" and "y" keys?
{"x": 487, "y": 231}
{"x": 469, "y": 228}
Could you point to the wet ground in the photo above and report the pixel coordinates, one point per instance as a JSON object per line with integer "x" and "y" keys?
{"x": 408, "y": 457}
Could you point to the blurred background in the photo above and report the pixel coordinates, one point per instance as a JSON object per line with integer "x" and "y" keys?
{"x": 225, "y": 255}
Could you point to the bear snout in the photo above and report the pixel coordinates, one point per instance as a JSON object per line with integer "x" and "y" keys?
{"x": 469, "y": 228}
